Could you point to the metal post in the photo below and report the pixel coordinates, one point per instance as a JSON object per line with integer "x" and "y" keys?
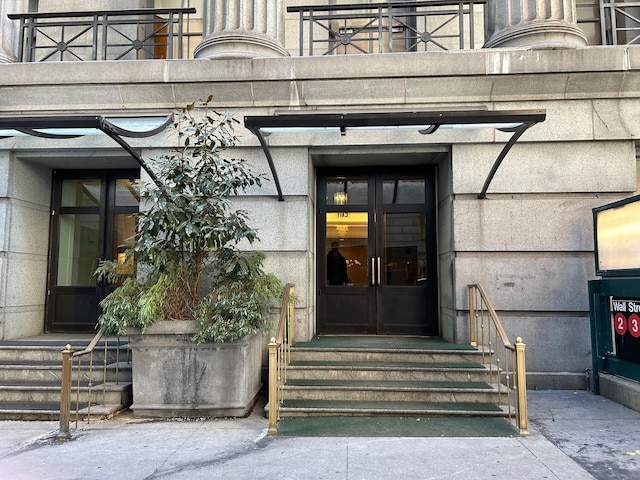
{"x": 65, "y": 394}
{"x": 292, "y": 320}
{"x": 473, "y": 334}
{"x": 273, "y": 387}
{"x": 521, "y": 386}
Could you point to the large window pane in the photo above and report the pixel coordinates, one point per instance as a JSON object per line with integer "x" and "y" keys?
{"x": 81, "y": 192}
{"x": 78, "y": 250}
{"x": 123, "y": 230}
{"x": 346, "y": 248}
{"x": 403, "y": 190}
{"x": 193, "y": 25}
{"x": 347, "y": 191}
{"x": 127, "y": 193}
{"x": 405, "y": 256}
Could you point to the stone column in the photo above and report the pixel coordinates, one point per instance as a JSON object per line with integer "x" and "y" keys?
{"x": 242, "y": 29}
{"x": 535, "y": 24}
{"x": 9, "y": 29}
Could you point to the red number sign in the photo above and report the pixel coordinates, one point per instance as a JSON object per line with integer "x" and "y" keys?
{"x": 620, "y": 323}
{"x": 634, "y": 325}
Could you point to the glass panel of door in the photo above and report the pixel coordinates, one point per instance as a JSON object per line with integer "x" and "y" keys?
{"x": 377, "y": 272}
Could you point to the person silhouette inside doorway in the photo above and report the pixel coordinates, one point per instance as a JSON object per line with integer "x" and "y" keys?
{"x": 336, "y": 266}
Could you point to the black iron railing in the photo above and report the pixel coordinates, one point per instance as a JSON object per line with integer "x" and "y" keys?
{"x": 104, "y": 35}
{"x": 385, "y": 27}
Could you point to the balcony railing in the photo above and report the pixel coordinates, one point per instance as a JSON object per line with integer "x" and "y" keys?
{"x": 429, "y": 25}
{"x": 104, "y": 35}
{"x": 609, "y": 22}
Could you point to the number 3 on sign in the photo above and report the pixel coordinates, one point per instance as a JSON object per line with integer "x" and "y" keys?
{"x": 634, "y": 325}
{"x": 620, "y": 323}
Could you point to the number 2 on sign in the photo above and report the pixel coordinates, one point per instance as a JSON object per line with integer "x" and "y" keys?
{"x": 620, "y": 323}
{"x": 634, "y": 325}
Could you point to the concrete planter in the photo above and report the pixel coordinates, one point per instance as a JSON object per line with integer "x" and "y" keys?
{"x": 175, "y": 377}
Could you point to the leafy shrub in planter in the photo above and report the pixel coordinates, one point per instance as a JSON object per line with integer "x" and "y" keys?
{"x": 189, "y": 234}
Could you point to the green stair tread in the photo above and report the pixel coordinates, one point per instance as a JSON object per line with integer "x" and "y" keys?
{"x": 374, "y": 364}
{"x": 395, "y": 427}
{"x": 382, "y": 342}
{"x": 388, "y": 384}
{"x": 381, "y": 405}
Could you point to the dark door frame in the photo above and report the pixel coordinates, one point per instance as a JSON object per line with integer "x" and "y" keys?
{"x": 371, "y": 298}
{"x": 106, "y": 212}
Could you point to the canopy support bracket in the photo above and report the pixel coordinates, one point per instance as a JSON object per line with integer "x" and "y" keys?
{"x": 267, "y": 153}
{"x": 503, "y": 153}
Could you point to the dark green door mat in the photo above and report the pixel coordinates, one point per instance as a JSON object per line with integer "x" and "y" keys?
{"x": 395, "y": 427}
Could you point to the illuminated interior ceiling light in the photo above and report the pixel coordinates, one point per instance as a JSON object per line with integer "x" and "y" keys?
{"x": 340, "y": 198}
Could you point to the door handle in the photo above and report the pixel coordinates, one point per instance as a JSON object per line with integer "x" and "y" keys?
{"x": 373, "y": 272}
{"x": 379, "y": 279}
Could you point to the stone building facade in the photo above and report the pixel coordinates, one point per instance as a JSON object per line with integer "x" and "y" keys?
{"x": 529, "y": 243}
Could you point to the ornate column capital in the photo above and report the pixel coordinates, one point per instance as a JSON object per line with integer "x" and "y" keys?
{"x": 533, "y": 24}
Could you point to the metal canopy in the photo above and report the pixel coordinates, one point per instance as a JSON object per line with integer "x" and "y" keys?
{"x": 426, "y": 123}
{"x": 61, "y": 127}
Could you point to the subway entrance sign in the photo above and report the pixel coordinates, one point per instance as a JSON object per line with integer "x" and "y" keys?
{"x": 625, "y": 315}
{"x": 614, "y": 298}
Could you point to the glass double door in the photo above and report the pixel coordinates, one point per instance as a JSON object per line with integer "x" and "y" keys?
{"x": 93, "y": 216}
{"x": 376, "y": 271}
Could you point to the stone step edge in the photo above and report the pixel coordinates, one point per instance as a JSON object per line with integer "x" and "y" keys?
{"x": 44, "y": 365}
{"x": 490, "y": 389}
{"x": 103, "y": 411}
{"x": 35, "y": 387}
{"x": 389, "y": 367}
{"x": 446, "y": 351}
{"x": 59, "y": 348}
{"x": 334, "y": 411}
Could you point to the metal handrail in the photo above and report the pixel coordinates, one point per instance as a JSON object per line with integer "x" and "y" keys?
{"x": 509, "y": 363}
{"x": 377, "y": 27}
{"x": 68, "y": 356}
{"x": 280, "y": 356}
{"x": 85, "y": 35}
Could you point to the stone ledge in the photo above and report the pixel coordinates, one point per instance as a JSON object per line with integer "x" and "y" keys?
{"x": 556, "y": 381}
{"x": 621, "y": 390}
{"x": 503, "y": 61}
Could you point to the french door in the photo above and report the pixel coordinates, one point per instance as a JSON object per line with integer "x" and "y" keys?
{"x": 376, "y": 251}
{"x": 93, "y": 215}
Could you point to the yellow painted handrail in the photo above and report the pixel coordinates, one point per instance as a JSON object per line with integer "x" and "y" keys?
{"x": 279, "y": 357}
{"x": 487, "y": 333}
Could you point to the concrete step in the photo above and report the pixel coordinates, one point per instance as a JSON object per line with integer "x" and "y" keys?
{"x": 386, "y": 355}
{"x": 303, "y": 408}
{"x": 17, "y": 392}
{"x": 390, "y": 371}
{"x": 36, "y": 411}
{"x": 390, "y": 377}
{"x": 31, "y": 370}
{"x": 51, "y": 351}
{"x": 34, "y": 370}
{"x": 394, "y": 391}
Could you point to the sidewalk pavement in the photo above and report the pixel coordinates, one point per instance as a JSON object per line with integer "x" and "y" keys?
{"x": 574, "y": 435}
